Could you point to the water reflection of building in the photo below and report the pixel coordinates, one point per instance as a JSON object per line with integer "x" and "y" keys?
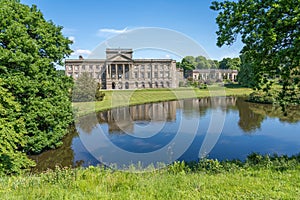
{"x": 123, "y": 118}
{"x": 205, "y": 103}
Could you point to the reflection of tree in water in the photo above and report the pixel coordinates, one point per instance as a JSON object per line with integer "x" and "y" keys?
{"x": 253, "y": 114}
{"x": 292, "y": 113}
{"x": 249, "y": 120}
{"x": 63, "y": 156}
{"x": 87, "y": 123}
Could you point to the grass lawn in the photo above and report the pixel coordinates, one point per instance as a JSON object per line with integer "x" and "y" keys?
{"x": 96, "y": 183}
{"x": 132, "y": 97}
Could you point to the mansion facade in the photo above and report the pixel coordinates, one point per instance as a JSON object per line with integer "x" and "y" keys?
{"x": 120, "y": 71}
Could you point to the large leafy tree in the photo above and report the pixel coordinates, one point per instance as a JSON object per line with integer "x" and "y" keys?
{"x": 12, "y": 131}
{"x": 270, "y": 31}
{"x": 30, "y": 47}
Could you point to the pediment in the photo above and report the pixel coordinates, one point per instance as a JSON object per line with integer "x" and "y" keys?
{"x": 119, "y": 57}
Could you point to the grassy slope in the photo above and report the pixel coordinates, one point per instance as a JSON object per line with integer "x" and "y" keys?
{"x": 96, "y": 183}
{"x": 132, "y": 97}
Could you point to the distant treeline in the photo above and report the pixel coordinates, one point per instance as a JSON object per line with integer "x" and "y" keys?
{"x": 201, "y": 62}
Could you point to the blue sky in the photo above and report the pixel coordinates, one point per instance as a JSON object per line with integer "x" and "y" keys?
{"x": 91, "y": 22}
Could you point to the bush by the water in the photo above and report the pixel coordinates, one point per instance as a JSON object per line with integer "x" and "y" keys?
{"x": 262, "y": 97}
{"x": 87, "y": 89}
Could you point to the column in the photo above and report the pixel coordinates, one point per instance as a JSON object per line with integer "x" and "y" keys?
{"x": 123, "y": 75}
{"x": 117, "y": 71}
{"x": 110, "y": 71}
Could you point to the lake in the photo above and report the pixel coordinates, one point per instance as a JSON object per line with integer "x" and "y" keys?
{"x": 217, "y": 128}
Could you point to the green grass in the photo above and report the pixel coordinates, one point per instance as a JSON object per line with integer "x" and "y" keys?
{"x": 98, "y": 183}
{"x": 133, "y": 97}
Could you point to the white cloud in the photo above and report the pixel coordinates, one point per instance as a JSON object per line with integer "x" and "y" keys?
{"x": 72, "y": 38}
{"x": 81, "y": 52}
{"x": 167, "y": 56}
{"x": 106, "y": 32}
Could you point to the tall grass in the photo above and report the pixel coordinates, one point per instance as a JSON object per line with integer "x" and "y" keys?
{"x": 259, "y": 177}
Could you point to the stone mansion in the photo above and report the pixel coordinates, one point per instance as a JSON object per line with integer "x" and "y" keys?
{"x": 120, "y": 71}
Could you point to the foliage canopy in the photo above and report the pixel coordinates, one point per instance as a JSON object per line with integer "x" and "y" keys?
{"x": 30, "y": 47}
{"x": 270, "y": 31}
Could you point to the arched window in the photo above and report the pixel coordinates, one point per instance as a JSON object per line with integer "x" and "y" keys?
{"x": 120, "y": 85}
{"x": 143, "y": 85}
{"x": 156, "y": 84}
{"x": 126, "y": 85}
{"x": 113, "y": 85}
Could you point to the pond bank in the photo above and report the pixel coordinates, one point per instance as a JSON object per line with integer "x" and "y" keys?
{"x": 118, "y": 98}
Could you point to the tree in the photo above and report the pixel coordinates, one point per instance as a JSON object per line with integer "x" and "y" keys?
{"x": 246, "y": 74}
{"x": 86, "y": 89}
{"x": 230, "y": 63}
{"x": 30, "y": 47}
{"x": 271, "y": 36}
{"x": 12, "y": 131}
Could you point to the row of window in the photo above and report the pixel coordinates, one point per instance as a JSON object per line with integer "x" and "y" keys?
{"x": 156, "y": 84}
{"x": 97, "y": 67}
{"x": 148, "y": 75}
{"x": 96, "y": 75}
{"x": 148, "y": 67}
{"x": 83, "y": 67}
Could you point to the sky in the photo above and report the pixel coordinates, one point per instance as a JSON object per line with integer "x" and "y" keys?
{"x": 90, "y": 23}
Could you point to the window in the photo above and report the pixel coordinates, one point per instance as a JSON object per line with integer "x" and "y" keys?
{"x": 155, "y": 66}
{"x": 135, "y": 75}
{"x": 161, "y": 74}
{"x": 148, "y": 67}
{"x": 69, "y": 74}
{"x": 83, "y": 67}
{"x": 98, "y": 67}
{"x": 142, "y": 75}
{"x": 76, "y": 75}
{"x": 70, "y": 67}
{"x": 155, "y": 74}
{"x": 142, "y": 67}
{"x": 76, "y": 67}
{"x": 167, "y": 74}
{"x": 127, "y": 75}
{"x": 148, "y": 75}
{"x": 91, "y": 67}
